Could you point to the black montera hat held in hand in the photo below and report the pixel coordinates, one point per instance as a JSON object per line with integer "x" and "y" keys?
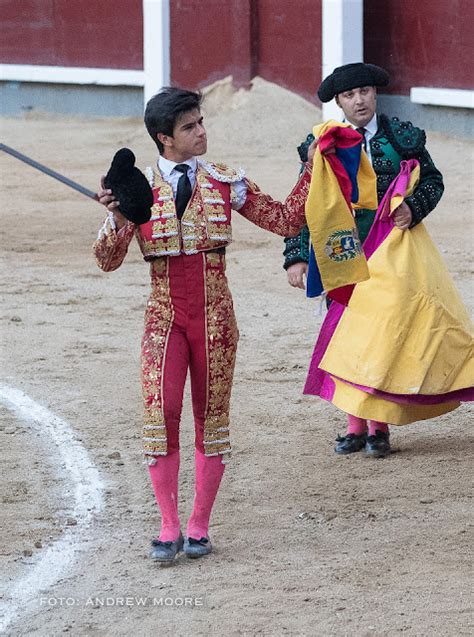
{"x": 349, "y": 76}
{"x": 130, "y": 187}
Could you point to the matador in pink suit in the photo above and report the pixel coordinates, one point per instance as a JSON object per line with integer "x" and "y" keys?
{"x": 189, "y": 319}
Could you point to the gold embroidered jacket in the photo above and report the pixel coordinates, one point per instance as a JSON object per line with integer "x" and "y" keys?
{"x": 206, "y": 222}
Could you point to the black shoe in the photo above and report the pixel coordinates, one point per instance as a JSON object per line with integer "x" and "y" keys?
{"x": 350, "y": 443}
{"x": 378, "y": 446}
{"x": 197, "y": 548}
{"x": 165, "y": 552}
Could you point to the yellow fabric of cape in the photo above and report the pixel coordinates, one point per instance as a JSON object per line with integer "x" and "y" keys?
{"x": 405, "y": 331}
{"x": 329, "y": 216}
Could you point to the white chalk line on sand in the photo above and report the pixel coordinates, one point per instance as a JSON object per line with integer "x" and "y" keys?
{"x": 85, "y": 495}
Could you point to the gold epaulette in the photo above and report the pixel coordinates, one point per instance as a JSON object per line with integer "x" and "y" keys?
{"x": 221, "y": 172}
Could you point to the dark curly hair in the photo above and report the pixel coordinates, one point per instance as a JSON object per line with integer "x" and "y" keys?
{"x": 164, "y": 109}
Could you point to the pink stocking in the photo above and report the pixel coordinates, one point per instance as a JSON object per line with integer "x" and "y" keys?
{"x": 209, "y": 471}
{"x": 375, "y": 426}
{"x": 355, "y": 425}
{"x": 164, "y": 478}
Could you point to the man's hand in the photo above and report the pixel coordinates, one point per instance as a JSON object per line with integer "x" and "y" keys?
{"x": 296, "y": 274}
{"x": 402, "y": 216}
{"x": 107, "y": 199}
{"x": 312, "y": 149}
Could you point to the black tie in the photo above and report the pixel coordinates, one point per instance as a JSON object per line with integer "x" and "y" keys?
{"x": 362, "y": 130}
{"x": 184, "y": 190}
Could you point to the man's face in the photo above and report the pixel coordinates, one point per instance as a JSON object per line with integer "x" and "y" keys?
{"x": 189, "y": 138}
{"x": 358, "y": 104}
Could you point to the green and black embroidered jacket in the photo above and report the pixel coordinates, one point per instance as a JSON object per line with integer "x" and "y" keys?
{"x": 393, "y": 142}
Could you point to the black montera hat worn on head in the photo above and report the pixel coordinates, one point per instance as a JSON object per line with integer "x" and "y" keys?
{"x": 349, "y": 76}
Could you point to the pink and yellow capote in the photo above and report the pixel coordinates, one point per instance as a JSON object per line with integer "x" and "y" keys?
{"x": 401, "y": 350}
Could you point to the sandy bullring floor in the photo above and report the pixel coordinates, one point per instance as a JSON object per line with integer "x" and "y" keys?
{"x": 306, "y": 543}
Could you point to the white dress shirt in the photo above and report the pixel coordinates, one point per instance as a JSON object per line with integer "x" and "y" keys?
{"x": 171, "y": 176}
{"x": 370, "y": 130}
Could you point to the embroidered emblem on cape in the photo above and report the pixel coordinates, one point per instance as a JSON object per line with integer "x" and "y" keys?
{"x": 221, "y": 172}
{"x": 343, "y": 245}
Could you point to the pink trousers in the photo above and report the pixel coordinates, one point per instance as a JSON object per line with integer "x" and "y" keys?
{"x": 190, "y": 325}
